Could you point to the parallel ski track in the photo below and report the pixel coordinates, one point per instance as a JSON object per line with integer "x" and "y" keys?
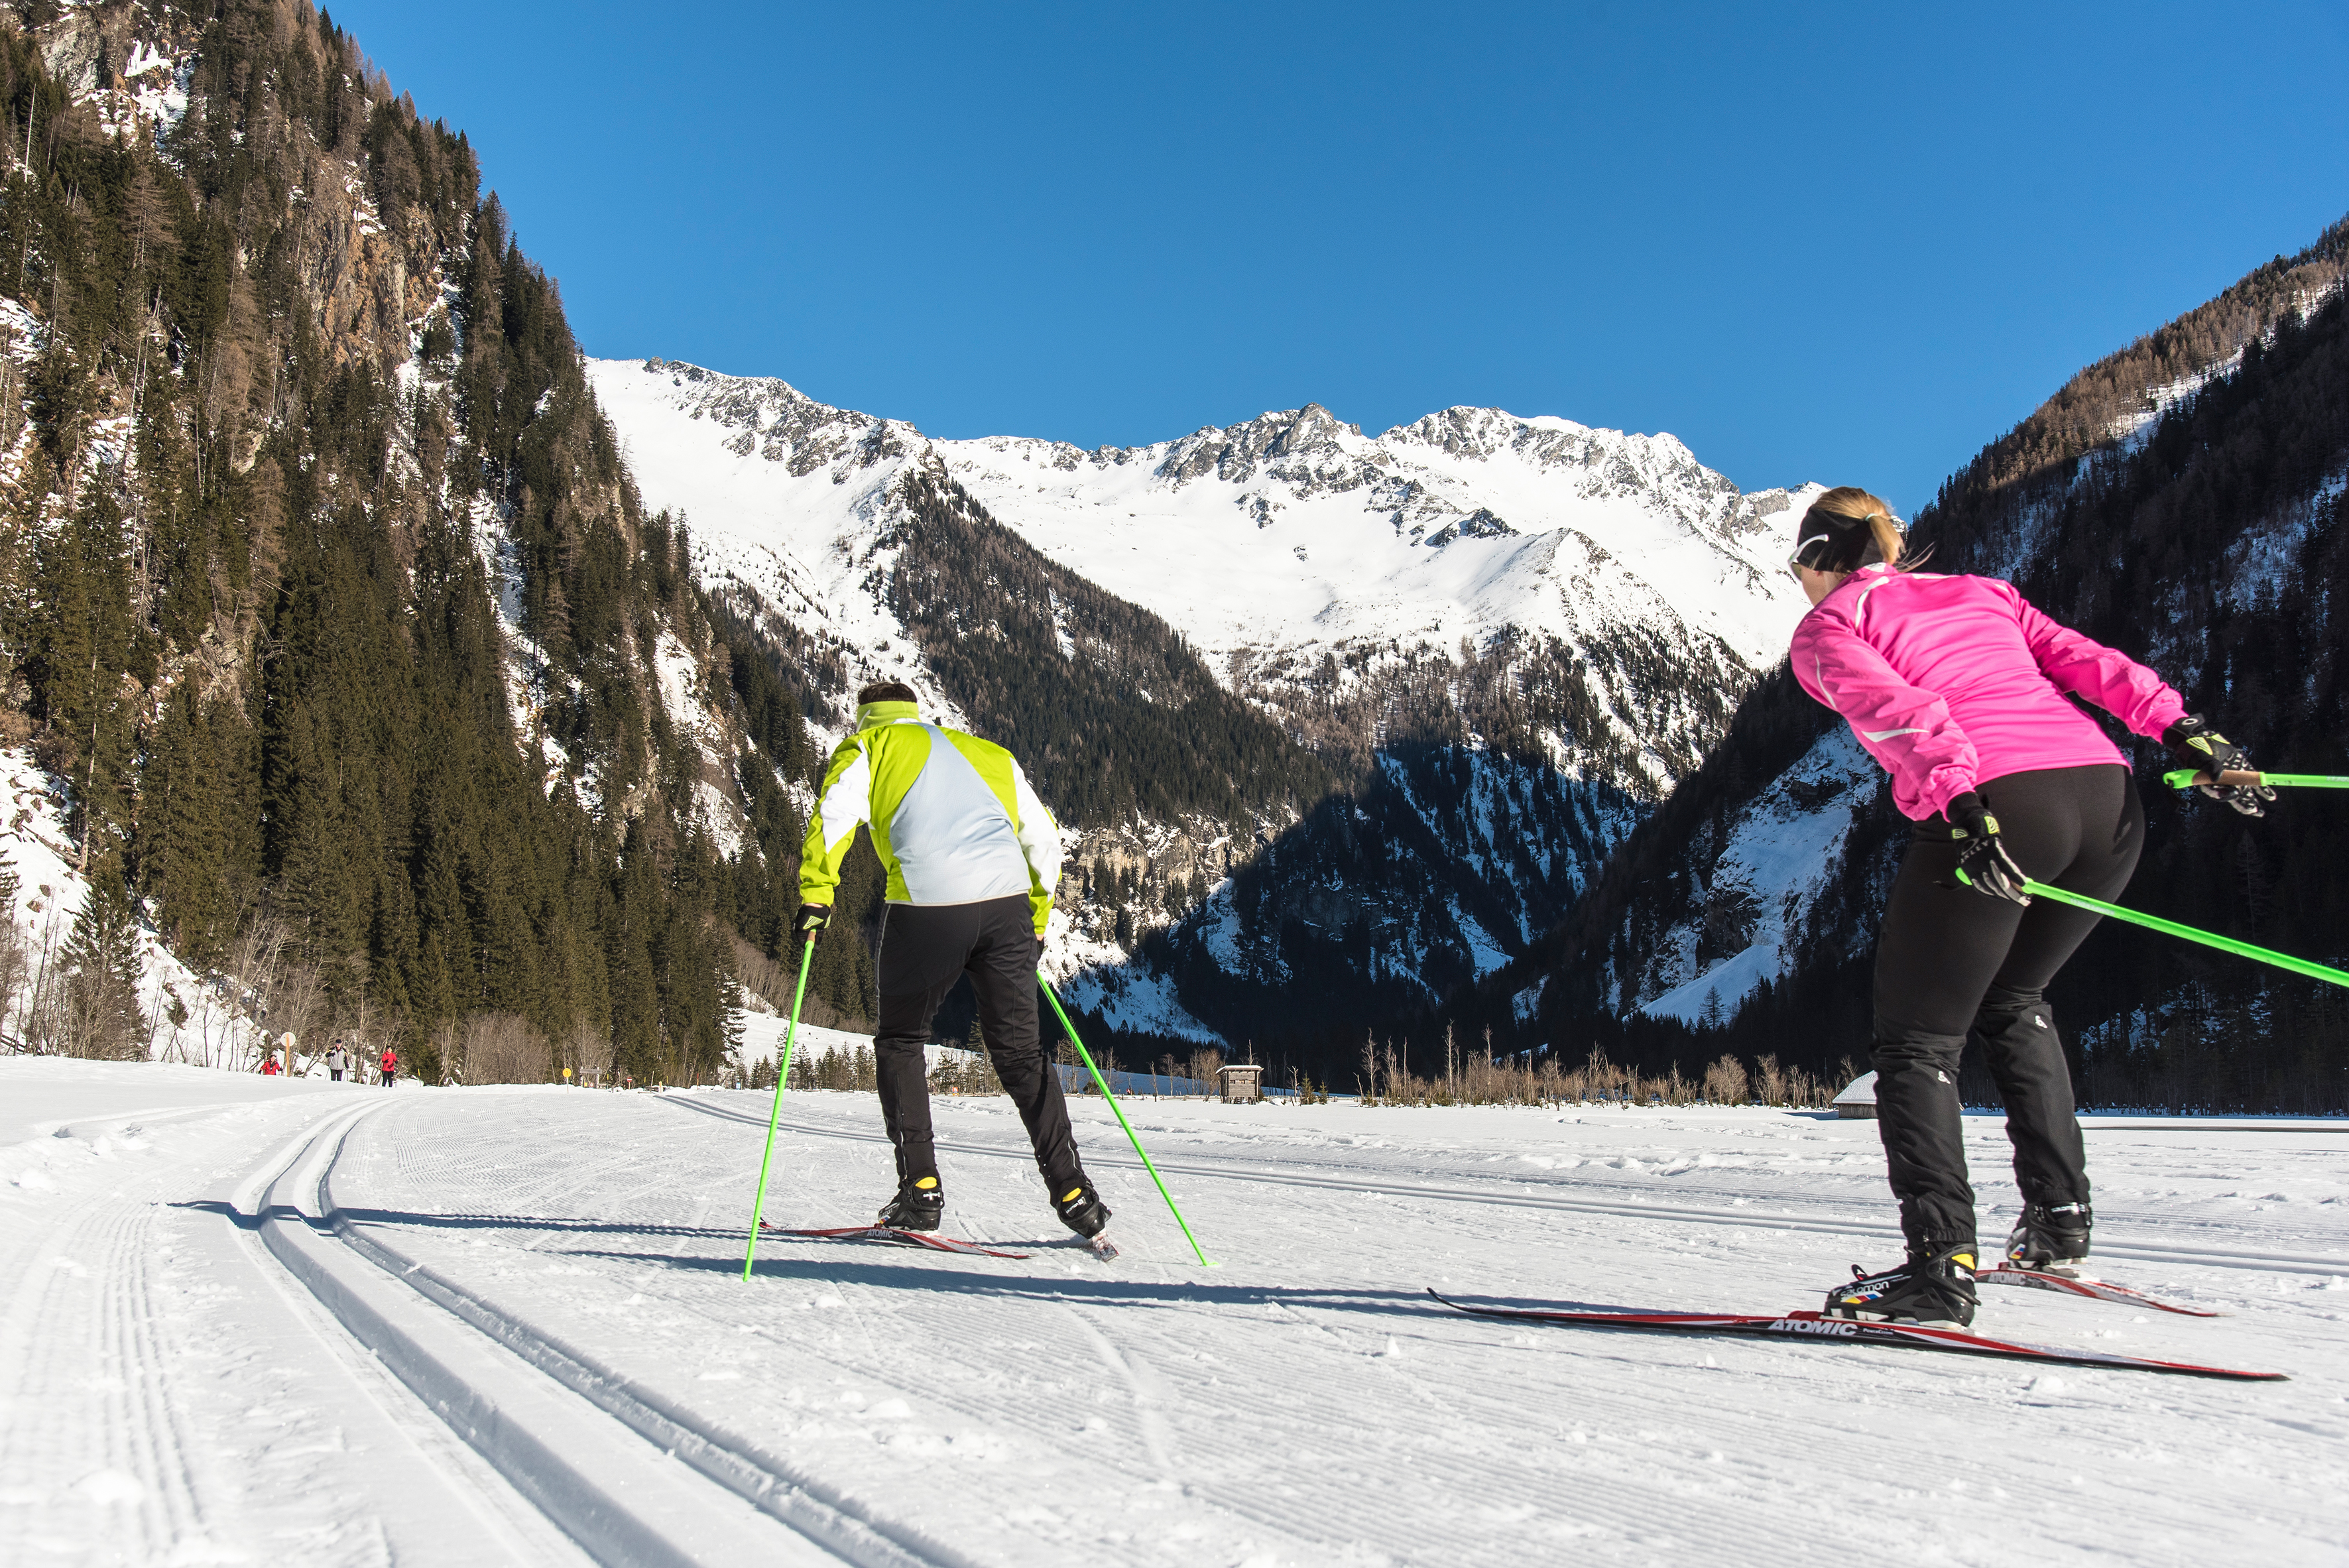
{"x": 2211, "y": 1257}
{"x": 1044, "y": 1423}
{"x": 1254, "y": 1393}
{"x": 770, "y": 1485}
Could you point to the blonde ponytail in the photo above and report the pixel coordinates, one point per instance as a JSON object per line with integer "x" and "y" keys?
{"x": 1847, "y": 505}
{"x": 1890, "y": 539}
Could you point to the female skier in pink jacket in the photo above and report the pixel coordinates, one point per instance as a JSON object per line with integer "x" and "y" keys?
{"x": 1959, "y": 688}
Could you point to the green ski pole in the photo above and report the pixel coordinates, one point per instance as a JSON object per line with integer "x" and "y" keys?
{"x": 2187, "y": 778}
{"x": 2207, "y": 939}
{"x": 782, "y": 1076}
{"x": 1101, "y": 1084}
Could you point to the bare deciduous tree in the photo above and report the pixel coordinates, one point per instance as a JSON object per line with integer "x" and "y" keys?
{"x": 505, "y": 1047}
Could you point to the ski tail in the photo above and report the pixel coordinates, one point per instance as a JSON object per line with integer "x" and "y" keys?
{"x": 2092, "y": 1289}
{"x": 888, "y": 1234}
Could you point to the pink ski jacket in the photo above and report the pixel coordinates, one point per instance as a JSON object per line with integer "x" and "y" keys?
{"x": 1950, "y": 682}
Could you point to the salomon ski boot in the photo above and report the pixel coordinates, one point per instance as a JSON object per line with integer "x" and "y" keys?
{"x": 1082, "y": 1210}
{"x": 1933, "y": 1290}
{"x": 2052, "y": 1238}
{"x": 919, "y": 1204}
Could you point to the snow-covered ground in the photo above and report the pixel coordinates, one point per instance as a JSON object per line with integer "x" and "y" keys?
{"x": 224, "y": 1292}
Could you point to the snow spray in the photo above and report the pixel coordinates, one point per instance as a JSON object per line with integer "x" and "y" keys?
{"x": 1101, "y": 1084}
{"x": 782, "y": 1076}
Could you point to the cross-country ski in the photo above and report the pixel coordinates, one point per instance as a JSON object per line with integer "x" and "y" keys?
{"x": 884, "y": 1234}
{"x": 1809, "y": 1326}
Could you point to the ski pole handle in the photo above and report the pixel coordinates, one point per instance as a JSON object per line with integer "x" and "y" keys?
{"x": 782, "y": 1076}
{"x": 1102, "y": 1084}
{"x": 2209, "y": 939}
{"x": 2236, "y": 777}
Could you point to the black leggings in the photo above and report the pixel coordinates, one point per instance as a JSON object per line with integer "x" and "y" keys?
{"x": 1950, "y": 959}
{"x": 924, "y": 949}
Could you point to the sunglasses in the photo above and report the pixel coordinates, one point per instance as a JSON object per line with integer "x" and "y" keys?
{"x": 1795, "y": 561}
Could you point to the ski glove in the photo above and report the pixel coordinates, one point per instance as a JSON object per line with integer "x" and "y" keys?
{"x": 811, "y": 919}
{"x": 1984, "y": 863}
{"x": 2198, "y": 746}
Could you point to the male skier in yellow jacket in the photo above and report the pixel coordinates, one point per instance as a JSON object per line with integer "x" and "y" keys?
{"x": 973, "y": 857}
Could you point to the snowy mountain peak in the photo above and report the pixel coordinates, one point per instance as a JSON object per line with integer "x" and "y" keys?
{"x": 780, "y": 424}
{"x": 1305, "y": 446}
{"x": 1267, "y": 543}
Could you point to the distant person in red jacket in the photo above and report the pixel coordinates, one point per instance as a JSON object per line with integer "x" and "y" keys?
{"x": 390, "y": 1066}
{"x": 269, "y": 1065}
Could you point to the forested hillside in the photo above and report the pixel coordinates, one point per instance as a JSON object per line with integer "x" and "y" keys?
{"x": 2181, "y": 500}
{"x": 328, "y": 598}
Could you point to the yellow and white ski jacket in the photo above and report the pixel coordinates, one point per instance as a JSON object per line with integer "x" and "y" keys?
{"x": 953, "y": 817}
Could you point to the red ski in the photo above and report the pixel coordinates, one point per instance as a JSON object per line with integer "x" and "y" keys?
{"x": 895, "y": 1238}
{"x": 1817, "y": 1325}
{"x": 2095, "y": 1289}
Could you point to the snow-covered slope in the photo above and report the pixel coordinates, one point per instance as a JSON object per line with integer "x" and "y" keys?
{"x": 1267, "y": 544}
{"x": 1294, "y": 530}
{"x": 1758, "y": 887}
{"x": 189, "y": 1019}
{"x": 790, "y": 498}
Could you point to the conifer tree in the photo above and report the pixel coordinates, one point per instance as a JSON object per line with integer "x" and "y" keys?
{"x": 102, "y": 1016}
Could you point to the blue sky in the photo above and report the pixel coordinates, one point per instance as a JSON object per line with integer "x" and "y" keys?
{"x": 1833, "y": 245}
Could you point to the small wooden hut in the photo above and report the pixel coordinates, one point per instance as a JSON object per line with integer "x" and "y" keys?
{"x": 1242, "y": 1082}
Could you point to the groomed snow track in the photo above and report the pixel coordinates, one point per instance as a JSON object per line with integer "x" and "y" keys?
{"x": 1516, "y": 1191}
{"x": 633, "y": 1479}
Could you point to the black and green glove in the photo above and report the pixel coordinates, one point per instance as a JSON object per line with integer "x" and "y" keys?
{"x": 811, "y": 919}
{"x": 1984, "y": 863}
{"x": 2198, "y": 746}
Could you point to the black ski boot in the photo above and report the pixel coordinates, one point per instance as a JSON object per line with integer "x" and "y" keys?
{"x": 2052, "y": 1238}
{"x": 1933, "y": 1290}
{"x": 919, "y": 1204}
{"x": 1082, "y": 1210}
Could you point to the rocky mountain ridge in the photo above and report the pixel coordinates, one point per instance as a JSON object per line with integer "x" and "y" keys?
{"x": 1485, "y": 644}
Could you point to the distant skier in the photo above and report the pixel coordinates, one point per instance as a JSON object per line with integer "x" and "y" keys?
{"x": 389, "y": 1067}
{"x": 973, "y": 858}
{"x": 1957, "y": 685}
{"x": 334, "y": 1059}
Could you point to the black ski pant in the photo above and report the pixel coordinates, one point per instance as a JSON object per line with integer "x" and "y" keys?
{"x": 1950, "y": 959}
{"x": 925, "y": 948}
